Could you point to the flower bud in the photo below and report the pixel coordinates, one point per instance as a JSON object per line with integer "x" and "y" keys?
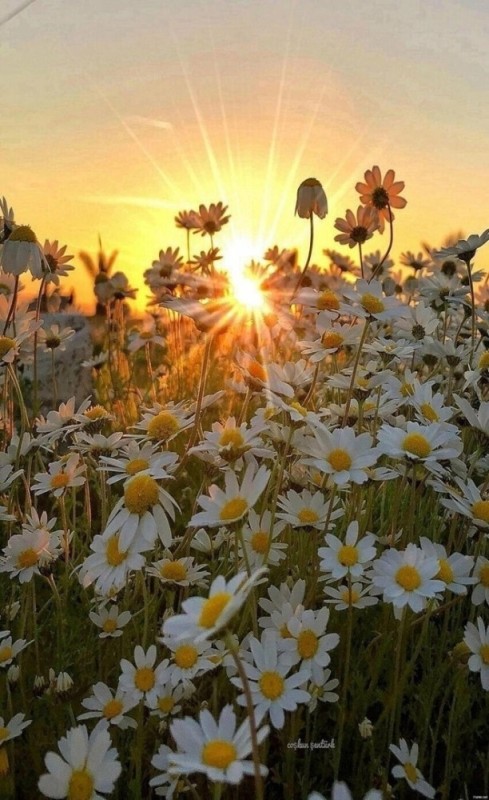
{"x": 311, "y": 199}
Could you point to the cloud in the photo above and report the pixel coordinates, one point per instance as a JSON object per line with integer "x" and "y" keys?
{"x": 152, "y": 123}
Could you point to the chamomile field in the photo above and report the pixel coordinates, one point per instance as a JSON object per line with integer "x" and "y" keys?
{"x": 252, "y": 562}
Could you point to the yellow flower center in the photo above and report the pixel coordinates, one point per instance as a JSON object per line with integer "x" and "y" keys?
{"x": 328, "y": 301}
{"x": 339, "y": 460}
{"x": 81, "y": 785}
{"x": 429, "y": 412}
{"x": 27, "y": 558}
{"x": 59, "y": 480}
{"x": 96, "y": 412}
{"x": 331, "y": 339}
{"x": 416, "y": 444}
{"x": 212, "y": 609}
{"x": 23, "y": 234}
{"x": 348, "y": 555}
{"x": 271, "y": 685}
{"x": 411, "y": 772}
{"x": 173, "y": 571}
{"x": 4, "y": 732}
{"x": 140, "y": 494}
{"x": 233, "y": 509}
{"x": 162, "y": 426}
{"x": 6, "y": 344}
{"x": 113, "y": 555}
{"x": 165, "y": 704}
{"x": 110, "y": 625}
{"x": 408, "y": 577}
{"x": 4, "y": 765}
{"x": 136, "y": 465}
{"x": 144, "y": 679}
{"x": 307, "y": 516}
{"x": 185, "y": 656}
{"x": 483, "y": 360}
{"x": 483, "y": 576}
{"x": 484, "y": 653}
{"x": 113, "y": 708}
{"x": 407, "y": 389}
{"x": 219, "y": 754}
{"x": 298, "y": 407}
{"x": 372, "y": 304}
{"x": 146, "y": 335}
{"x": 445, "y": 573}
{"x": 307, "y": 644}
{"x": 350, "y": 596}
{"x": 284, "y": 632}
{"x": 231, "y": 436}
{"x": 480, "y": 510}
{"x": 6, "y": 653}
{"x": 259, "y": 542}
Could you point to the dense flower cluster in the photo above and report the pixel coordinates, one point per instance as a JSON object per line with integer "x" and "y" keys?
{"x": 268, "y": 526}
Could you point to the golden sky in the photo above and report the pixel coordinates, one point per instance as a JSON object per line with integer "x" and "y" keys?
{"x": 116, "y": 115}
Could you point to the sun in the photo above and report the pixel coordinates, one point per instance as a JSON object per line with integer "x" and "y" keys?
{"x": 238, "y": 253}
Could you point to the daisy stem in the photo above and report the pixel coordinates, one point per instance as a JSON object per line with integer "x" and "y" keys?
{"x": 354, "y": 372}
{"x": 389, "y": 248}
{"x": 251, "y": 714}
{"x": 472, "y": 302}
{"x": 138, "y": 755}
{"x": 306, "y": 265}
{"x": 200, "y": 396}
{"x": 361, "y": 259}
{"x": 23, "y": 411}
{"x": 53, "y": 375}
{"x": 346, "y": 680}
{"x": 13, "y": 304}
{"x": 395, "y": 685}
{"x": 151, "y": 376}
{"x": 244, "y": 407}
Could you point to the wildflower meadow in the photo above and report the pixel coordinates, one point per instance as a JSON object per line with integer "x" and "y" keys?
{"x": 252, "y": 562}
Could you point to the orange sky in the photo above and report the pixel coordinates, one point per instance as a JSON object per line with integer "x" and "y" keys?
{"x": 116, "y": 115}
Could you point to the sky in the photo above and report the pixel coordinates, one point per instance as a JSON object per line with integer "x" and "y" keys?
{"x": 116, "y": 115}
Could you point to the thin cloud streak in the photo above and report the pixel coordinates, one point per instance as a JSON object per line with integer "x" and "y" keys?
{"x": 15, "y": 12}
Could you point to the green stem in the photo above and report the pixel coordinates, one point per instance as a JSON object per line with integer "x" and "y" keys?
{"x": 306, "y": 265}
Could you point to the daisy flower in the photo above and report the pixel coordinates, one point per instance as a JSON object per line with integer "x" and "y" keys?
{"x": 10, "y": 650}
{"x": 179, "y": 571}
{"x": 260, "y": 540}
{"x": 407, "y": 577}
{"x": 408, "y": 770}
{"x": 418, "y": 325}
{"x": 371, "y": 302}
{"x": 480, "y": 593}
{"x": 311, "y": 199}
{"x": 88, "y": 766}
{"x": 383, "y": 194}
{"x": 22, "y": 252}
{"x": 340, "y": 453}
{"x": 54, "y": 337}
{"x": 453, "y": 570}
{"x": 189, "y": 659}
{"x": 204, "y": 617}
{"x": 111, "y": 562}
{"x": 135, "y": 458}
{"x": 229, "y": 442}
{"x": 58, "y": 263}
{"x": 357, "y": 229}
{"x": 348, "y": 557}
{"x": 477, "y": 640}
{"x": 477, "y": 419}
{"x": 271, "y": 690}
{"x": 8, "y": 731}
{"x": 209, "y": 221}
{"x": 168, "y": 699}
{"x": 308, "y": 643}
{"x": 26, "y": 553}
{"x": 464, "y": 249}
{"x": 166, "y": 784}
{"x": 142, "y": 513}
{"x": 230, "y": 505}
{"x": 110, "y": 621}
{"x": 428, "y": 444}
{"x": 109, "y": 707}
{"x": 216, "y": 749}
{"x": 141, "y": 678}
{"x": 356, "y": 595}
{"x": 341, "y": 791}
{"x": 305, "y": 510}
{"x": 160, "y": 424}
{"x": 62, "y": 475}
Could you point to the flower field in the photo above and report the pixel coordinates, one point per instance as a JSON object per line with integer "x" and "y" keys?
{"x": 254, "y": 562}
